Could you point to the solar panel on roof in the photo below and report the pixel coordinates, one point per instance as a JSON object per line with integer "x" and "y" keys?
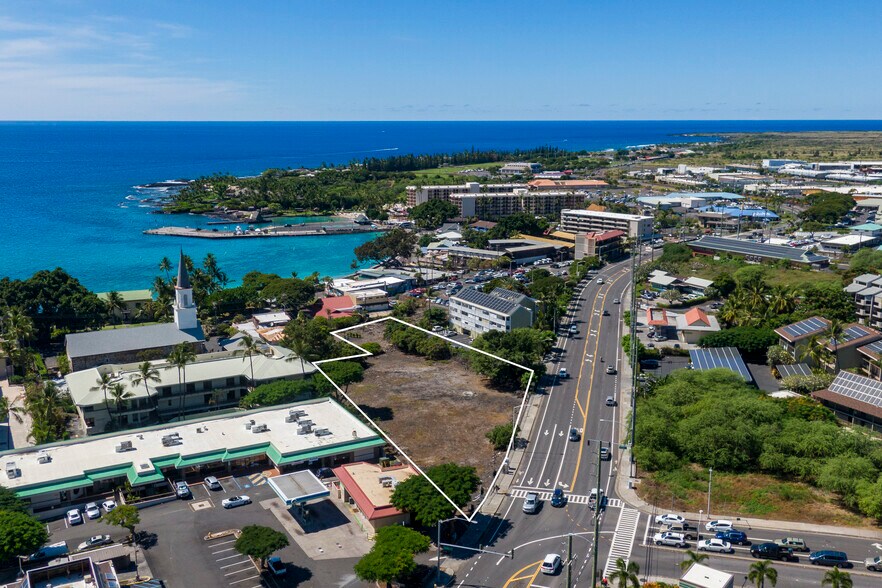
{"x": 809, "y": 325}
{"x": 853, "y": 332}
{"x": 875, "y": 347}
{"x": 760, "y": 249}
{"x": 485, "y": 300}
{"x": 720, "y": 357}
{"x": 797, "y": 369}
{"x": 860, "y": 388}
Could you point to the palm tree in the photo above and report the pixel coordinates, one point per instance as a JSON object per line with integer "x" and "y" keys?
{"x": 834, "y": 333}
{"x": 626, "y": 574}
{"x": 48, "y": 408}
{"x": 165, "y": 265}
{"x": 180, "y": 356}
{"x": 249, "y": 348}
{"x": 815, "y": 351}
{"x": 103, "y": 383}
{"x": 18, "y": 328}
{"x": 7, "y": 410}
{"x": 119, "y": 393}
{"x": 147, "y": 373}
{"x": 296, "y": 338}
{"x": 836, "y": 578}
{"x": 781, "y": 300}
{"x": 761, "y": 571}
{"x": 692, "y": 558}
{"x": 114, "y": 302}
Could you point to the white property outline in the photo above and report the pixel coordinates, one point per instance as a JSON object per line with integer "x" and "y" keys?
{"x": 366, "y": 353}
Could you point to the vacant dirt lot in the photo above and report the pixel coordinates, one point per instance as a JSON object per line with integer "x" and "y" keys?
{"x": 437, "y": 412}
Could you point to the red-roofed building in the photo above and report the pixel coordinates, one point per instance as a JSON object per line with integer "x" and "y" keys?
{"x": 656, "y": 317}
{"x": 695, "y": 324}
{"x": 369, "y": 487}
{"x": 605, "y": 245}
{"x": 335, "y": 307}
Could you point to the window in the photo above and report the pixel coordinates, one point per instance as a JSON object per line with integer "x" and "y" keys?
{"x": 231, "y": 382}
{"x": 207, "y": 398}
{"x": 165, "y": 391}
{"x": 90, "y": 422}
{"x": 191, "y": 388}
{"x": 231, "y": 395}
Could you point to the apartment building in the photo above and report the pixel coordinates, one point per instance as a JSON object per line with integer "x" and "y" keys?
{"x": 606, "y": 245}
{"x": 867, "y": 292}
{"x": 421, "y": 194}
{"x": 635, "y": 226}
{"x": 474, "y": 312}
{"x": 212, "y": 382}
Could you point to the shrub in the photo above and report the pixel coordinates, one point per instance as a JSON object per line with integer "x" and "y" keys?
{"x": 500, "y": 435}
{"x": 278, "y": 392}
{"x": 372, "y": 348}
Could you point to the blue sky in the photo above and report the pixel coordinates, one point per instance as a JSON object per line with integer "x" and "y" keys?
{"x": 413, "y": 60}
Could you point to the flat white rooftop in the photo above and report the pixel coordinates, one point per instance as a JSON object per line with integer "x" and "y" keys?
{"x": 604, "y": 214}
{"x": 79, "y": 462}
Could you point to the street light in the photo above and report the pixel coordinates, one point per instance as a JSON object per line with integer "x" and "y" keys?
{"x": 438, "y": 545}
{"x": 20, "y": 558}
{"x": 710, "y": 477}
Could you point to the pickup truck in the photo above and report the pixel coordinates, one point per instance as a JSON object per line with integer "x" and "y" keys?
{"x": 772, "y": 551}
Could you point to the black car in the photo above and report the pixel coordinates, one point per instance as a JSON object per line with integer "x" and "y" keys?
{"x": 734, "y": 536}
{"x": 557, "y": 498}
{"x": 772, "y": 551}
{"x": 575, "y": 435}
{"x": 830, "y": 558}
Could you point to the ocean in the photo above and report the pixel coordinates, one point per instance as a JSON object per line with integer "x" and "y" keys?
{"x": 68, "y": 197}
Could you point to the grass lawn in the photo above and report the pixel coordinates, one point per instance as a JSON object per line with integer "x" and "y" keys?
{"x": 708, "y": 268}
{"x": 746, "y": 495}
{"x": 451, "y": 170}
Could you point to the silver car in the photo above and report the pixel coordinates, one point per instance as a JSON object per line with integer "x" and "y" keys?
{"x": 531, "y": 503}
{"x": 715, "y": 545}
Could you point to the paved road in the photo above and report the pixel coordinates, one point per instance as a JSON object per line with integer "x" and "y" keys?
{"x": 552, "y": 461}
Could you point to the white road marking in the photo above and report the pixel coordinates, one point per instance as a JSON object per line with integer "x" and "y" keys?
{"x": 547, "y": 455}
{"x": 228, "y": 557}
{"x": 238, "y": 563}
{"x": 245, "y": 579}
{"x": 623, "y": 540}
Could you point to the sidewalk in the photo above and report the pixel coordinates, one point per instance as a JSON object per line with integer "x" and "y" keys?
{"x": 625, "y": 491}
{"x": 16, "y": 434}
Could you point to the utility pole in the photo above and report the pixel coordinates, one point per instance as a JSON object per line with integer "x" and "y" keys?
{"x": 569, "y": 560}
{"x": 635, "y": 361}
{"x": 597, "y": 506}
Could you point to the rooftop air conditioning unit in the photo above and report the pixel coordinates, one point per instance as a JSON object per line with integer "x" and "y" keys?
{"x": 249, "y": 424}
{"x": 259, "y": 428}
{"x": 304, "y": 429}
{"x": 124, "y": 446}
{"x": 43, "y": 457}
{"x": 322, "y": 432}
{"x": 11, "y": 470}
{"x": 291, "y": 418}
{"x": 306, "y": 422}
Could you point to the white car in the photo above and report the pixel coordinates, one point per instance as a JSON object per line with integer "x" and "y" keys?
{"x": 108, "y": 505}
{"x": 92, "y": 511}
{"x": 94, "y": 541}
{"x": 550, "y": 564}
{"x": 717, "y": 545}
{"x": 720, "y": 525}
{"x": 667, "y": 519}
{"x": 600, "y": 280}
{"x": 675, "y": 539}
{"x": 74, "y": 517}
{"x": 235, "y": 501}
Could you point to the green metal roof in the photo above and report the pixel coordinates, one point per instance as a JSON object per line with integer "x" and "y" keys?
{"x": 54, "y": 487}
{"x": 136, "y": 480}
{"x": 192, "y": 460}
{"x": 107, "y": 473}
{"x": 164, "y": 462}
{"x": 333, "y": 450}
{"x": 246, "y": 452}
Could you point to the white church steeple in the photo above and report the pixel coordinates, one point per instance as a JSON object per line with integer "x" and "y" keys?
{"x": 184, "y": 307}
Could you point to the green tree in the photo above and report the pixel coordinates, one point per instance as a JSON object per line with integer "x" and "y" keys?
{"x": 119, "y": 394}
{"x": 417, "y": 496}
{"x": 126, "y": 516}
{"x": 778, "y": 355}
{"x": 692, "y": 558}
{"x": 9, "y": 501}
{"x": 391, "y": 557}
{"x": 836, "y": 578}
{"x": 20, "y": 534}
{"x": 761, "y": 571}
{"x": 145, "y": 374}
{"x": 750, "y": 341}
{"x": 180, "y": 356}
{"x": 500, "y": 435}
{"x": 260, "y": 542}
{"x": 278, "y": 392}
{"x": 248, "y": 347}
{"x": 115, "y": 303}
{"x": 625, "y": 575}
{"x": 342, "y": 373}
{"x": 433, "y": 213}
{"x": 392, "y": 244}
{"x": 103, "y": 383}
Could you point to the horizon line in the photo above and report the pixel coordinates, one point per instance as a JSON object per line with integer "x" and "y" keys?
{"x": 387, "y": 121}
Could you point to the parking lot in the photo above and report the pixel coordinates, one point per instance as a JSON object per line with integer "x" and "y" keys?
{"x": 176, "y": 549}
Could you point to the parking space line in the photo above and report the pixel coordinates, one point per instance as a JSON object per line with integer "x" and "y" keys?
{"x": 223, "y": 543}
{"x": 248, "y": 569}
{"x": 228, "y": 557}
{"x": 244, "y": 579}
{"x": 222, "y": 550}
{"x": 236, "y": 482}
{"x": 238, "y": 563}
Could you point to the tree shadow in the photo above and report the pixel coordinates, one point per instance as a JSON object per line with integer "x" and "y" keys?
{"x": 146, "y": 540}
{"x": 378, "y": 413}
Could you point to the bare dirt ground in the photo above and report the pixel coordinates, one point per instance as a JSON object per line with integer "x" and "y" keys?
{"x": 437, "y": 412}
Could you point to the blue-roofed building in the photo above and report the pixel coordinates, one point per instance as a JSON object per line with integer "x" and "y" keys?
{"x": 867, "y": 229}
{"x": 845, "y": 347}
{"x": 844, "y": 350}
{"x": 475, "y": 312}
{"x": 795, "y": 336}
{"x": 720, "y": 357}
{"x": 869, "y": 356}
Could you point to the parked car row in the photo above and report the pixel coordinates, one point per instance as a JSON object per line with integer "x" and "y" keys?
{"x": 91, "y": 510}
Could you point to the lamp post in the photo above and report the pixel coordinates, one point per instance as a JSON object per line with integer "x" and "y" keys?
{"x": 438, "y": 545}
{"x": 20, "y": 559}
{"x": 710, "y": 478}
{"x": 700, "y": 520}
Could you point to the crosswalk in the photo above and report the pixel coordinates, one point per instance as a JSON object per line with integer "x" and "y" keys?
{"x": 571, "y": 498}
{"x": 623, "y": 540}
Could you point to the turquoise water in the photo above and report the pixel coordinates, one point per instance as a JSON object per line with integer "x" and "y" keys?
{"x": 68, "y": 200}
